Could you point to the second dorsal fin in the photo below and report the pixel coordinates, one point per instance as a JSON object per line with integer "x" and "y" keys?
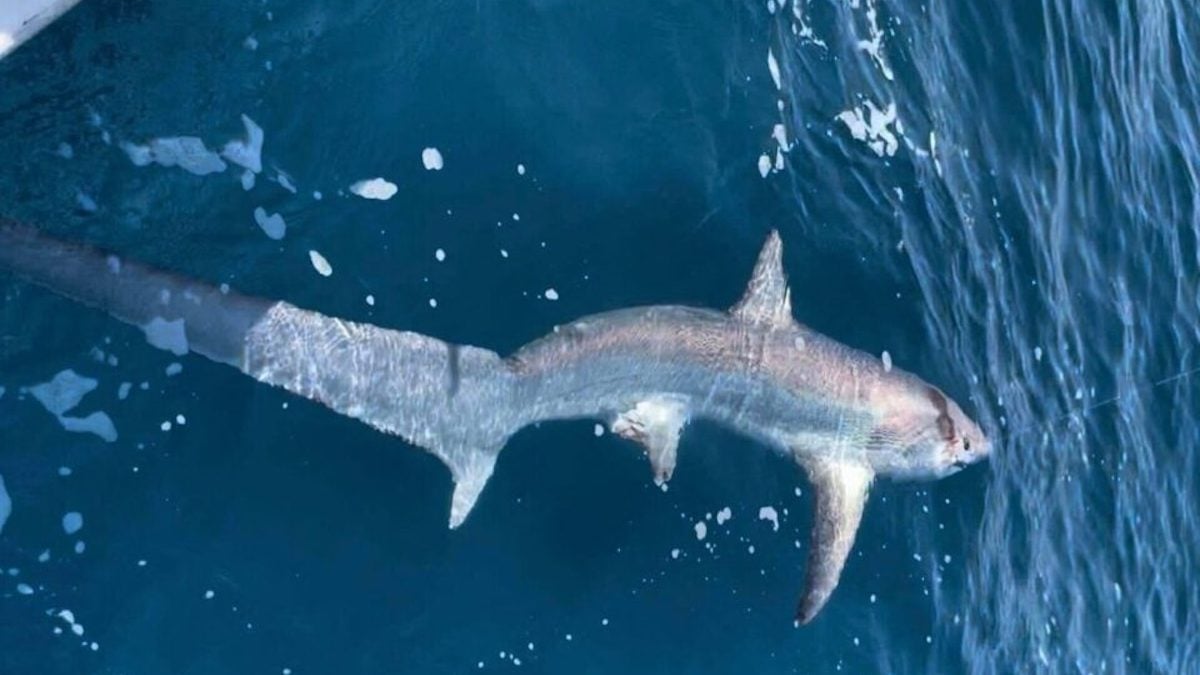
{"x": 767, "y": 299}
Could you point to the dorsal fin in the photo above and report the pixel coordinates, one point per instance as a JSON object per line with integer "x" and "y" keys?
{"x": 767, "y": 299}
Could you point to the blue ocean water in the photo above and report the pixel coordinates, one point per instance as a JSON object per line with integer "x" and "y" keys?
{"x": 1002, "y": 197}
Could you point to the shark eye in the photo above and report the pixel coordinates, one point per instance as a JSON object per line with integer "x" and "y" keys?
{"x": 966, "y": 443}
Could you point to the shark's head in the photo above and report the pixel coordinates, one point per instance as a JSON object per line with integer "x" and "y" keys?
{"x": 930, "y": 436}
{"x": 958, "y": 441}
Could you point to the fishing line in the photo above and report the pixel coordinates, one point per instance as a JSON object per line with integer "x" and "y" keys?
{"x": 1149, "y": 386}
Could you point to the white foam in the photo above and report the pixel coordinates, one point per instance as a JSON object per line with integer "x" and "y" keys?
{"x": 598, "y": 430}
{"x": 85, "y": 202}
{"x": 440, "y": 255}
{"x": 887, "y": 361}
{"x": 167, "y": 335}
{"x": 764, "y": 165}
{"x": 937, "y": 164}
{"x": 773, "y": 66}
{"x": 174, "y": 368}
{"x": 551, "y": 294}
{"x": 520, "y": 169}
{"x": 769, "y": 513}
{"x": 24, "y": 589}
{"x": 186, "y": 152}
{"x": 374, "y": 188}
{"x": 72, "y": 522}
{"x": 247, "y": 180}
{"x": 5, "y": 505}
{"x": 779, "y": 133}
{"x": 246, "y": 152}
{"x": 320, "y": 264}
{"x": 371, "y": 300}
{"x": 869, "y": 124}
{"x": 701, "y": 530}
{"x": 432, "y": 159}
{"x": 874, "y": 46}
{"x": 63, "y": 392}
{"x": 273, "y": 225}
{"x": 69, "y": 616}
{"x": 285, "y": 181}
{"x": 724, "y": 515}
{"x": 98, "y": 423}
{"x": 803, "y": 30}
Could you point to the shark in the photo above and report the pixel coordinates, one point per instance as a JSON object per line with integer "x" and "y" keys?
{"x": 844, "y": 416}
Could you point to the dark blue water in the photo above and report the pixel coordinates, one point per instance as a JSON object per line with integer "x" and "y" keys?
{"x": 1022, "y": 231}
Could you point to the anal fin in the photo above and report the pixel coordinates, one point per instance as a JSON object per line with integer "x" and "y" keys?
{"x": 841, "y": 490}
{"x": 655, "y": 424}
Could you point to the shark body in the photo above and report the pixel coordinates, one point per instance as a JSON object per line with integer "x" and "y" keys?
{"x": 843, "y": 415}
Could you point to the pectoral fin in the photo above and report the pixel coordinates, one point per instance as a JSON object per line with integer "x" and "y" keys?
{"x": 655, "y": 424}
{"x": 841, "y": 493}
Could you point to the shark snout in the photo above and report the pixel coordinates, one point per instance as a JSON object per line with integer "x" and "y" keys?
{"x": 971, "y": 447}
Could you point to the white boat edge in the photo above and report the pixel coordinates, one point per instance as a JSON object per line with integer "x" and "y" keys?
{"x": 22, "y": 19}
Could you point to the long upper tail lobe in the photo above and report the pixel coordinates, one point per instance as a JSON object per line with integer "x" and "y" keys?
{"x": 455, "y": 401}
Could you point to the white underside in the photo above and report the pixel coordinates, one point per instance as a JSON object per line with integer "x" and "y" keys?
{"x": 22, "y": 19}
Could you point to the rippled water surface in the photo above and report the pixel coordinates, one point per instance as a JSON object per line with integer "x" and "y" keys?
{"x": 1003, "y": 196}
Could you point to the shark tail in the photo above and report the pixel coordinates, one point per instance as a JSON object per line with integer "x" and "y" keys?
{"x": 176, "y": 313}
{"x": 456, "y": 401}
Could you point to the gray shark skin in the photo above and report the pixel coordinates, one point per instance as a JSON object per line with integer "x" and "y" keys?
{"x": 839, "y": 413}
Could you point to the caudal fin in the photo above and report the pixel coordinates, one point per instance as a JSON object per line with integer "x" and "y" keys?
{"x": 455, "y": 401}
{"x": 176, "y": 313}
